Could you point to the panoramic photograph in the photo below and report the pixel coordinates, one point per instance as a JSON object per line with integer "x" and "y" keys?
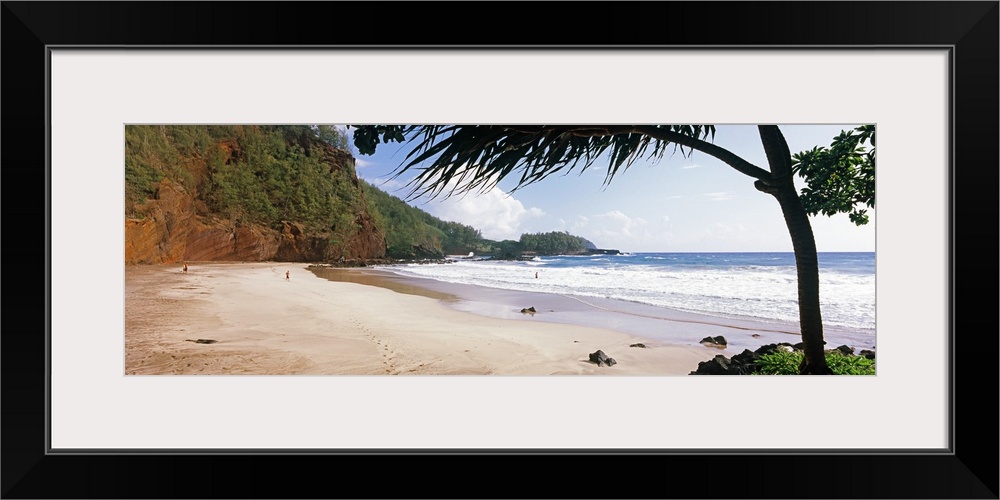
{"x": 519, "y": 250}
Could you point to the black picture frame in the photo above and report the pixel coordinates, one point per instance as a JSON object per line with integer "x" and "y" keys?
{"x": 969, "y": 28}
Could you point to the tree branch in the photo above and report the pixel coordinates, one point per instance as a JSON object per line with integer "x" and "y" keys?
{"x": 741, "y": 165}
{"x": 778, "y": 156}
{"x": 575, "y": 130}
{"x": 731, "y": 159}
{"x": 591, "y": 131}
{"x": 524, "y": 129}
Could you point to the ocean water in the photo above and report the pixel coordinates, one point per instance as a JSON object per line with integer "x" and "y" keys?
{"x": 756, "y": 286}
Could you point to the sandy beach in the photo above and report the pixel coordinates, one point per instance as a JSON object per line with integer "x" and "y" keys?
{"x": 365, "y": 323}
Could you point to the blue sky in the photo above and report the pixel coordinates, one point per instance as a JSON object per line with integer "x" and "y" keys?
{"x": 678, "y": 204}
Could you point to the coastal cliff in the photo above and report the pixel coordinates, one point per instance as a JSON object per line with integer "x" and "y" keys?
{"x": 282, "y": 193}
{"x": 203, "y": 193}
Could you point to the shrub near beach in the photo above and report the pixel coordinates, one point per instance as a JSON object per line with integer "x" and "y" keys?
{"x": 785, "y": 359}
{"x": 787, "y": 363}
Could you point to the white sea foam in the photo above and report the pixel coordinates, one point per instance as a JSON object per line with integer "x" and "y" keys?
{"x": 758, "y": 291}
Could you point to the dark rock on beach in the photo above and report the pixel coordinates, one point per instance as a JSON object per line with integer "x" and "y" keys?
{"x": 602, "y": 359}
{"x": 770, "y": 348}
{"x": 719, "y": 341}
{"x": 640, "y": 344}
{"x": 846, "y": 350}
{"x": 528, "y": 310}
{"x": 743, "y": 363}
{"x": 203, "y": 341}
{"x": 746, "y": 357}
{"x": 868, "y": 353}
{"x": 718, "y": 365}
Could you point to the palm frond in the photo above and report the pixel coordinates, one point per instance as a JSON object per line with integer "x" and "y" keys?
{"x": 453, "y": 159}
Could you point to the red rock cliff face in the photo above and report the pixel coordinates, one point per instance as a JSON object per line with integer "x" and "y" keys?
{"x": 171, "y": 230}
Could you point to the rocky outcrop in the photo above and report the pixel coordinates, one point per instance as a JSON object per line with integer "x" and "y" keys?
{"x": 172, "y": 229}
{"x": 161, "y": 234}
{"x": 220, "y": 240}
{"x": 340, "y": 161}
{"x": 417, "y": 252}
{"x": 368, "y": 242}
{"x": 601, "y": 251}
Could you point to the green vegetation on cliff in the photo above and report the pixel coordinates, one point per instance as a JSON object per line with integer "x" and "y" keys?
{"x": 407, "y": 233}
{"x": 249, "y": 174}
{"x": 265, "y": 176}
{"x": 413, "y": 233}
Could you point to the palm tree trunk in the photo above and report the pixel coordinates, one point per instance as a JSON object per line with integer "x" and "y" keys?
{"x": 782, "y": 188}
{"x": 807, "y": 269}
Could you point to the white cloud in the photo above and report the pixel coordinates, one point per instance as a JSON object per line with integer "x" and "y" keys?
{"x": 616, "y": 226}
{"x": 580, "y": 224}
{"x": 685, "y": 167}
{"x": 360, "y": 163}
{"x": 719, "y": 196}
{"x": 614, "y": 214}
{"x": 617, "y": 229}
{"x": 497, "y": 214}
{"x": 618, "y": 218}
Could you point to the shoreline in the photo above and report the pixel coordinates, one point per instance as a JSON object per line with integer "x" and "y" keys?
{"x": 262, "y": 324}
{"x": 658, "y": 325}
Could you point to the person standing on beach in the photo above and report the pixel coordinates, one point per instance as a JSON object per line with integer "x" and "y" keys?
{"x": 185, "y": 267}
{"x": 536, "y": 275}
{"x": 287, "y": 275}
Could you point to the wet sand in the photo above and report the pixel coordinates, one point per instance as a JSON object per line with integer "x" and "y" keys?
{"x": 655, "y": 324}
{"x": 658, "y": 325}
